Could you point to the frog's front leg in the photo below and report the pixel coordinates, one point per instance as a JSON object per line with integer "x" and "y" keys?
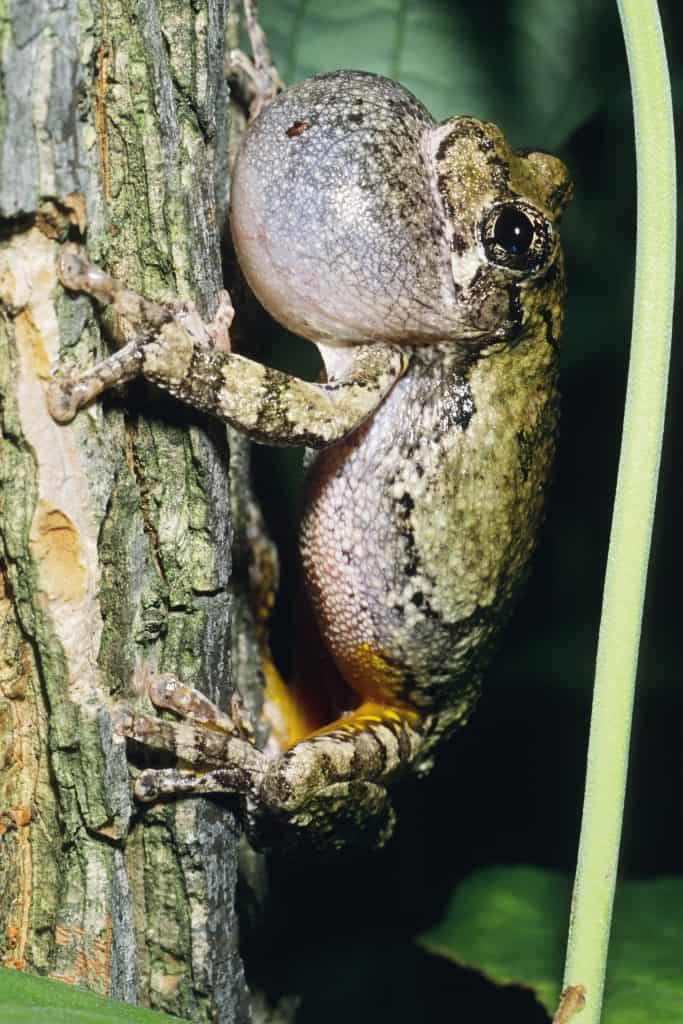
{"x": 329, "y": 788}
{"x": 175, "y": 350}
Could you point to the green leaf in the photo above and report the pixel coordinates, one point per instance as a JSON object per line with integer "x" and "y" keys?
{"x": 525, "y": 64}
{"x": 511, "y": 923}
{"x": 30, "y": 1000}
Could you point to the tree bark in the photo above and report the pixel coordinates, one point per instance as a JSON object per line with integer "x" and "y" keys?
{"x": 115, "y": 536}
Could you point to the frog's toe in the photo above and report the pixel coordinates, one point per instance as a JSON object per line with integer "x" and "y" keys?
{"x": 62, "y": 399}
{"x": 157, "y": 783}
{"x": 167, "y": 691}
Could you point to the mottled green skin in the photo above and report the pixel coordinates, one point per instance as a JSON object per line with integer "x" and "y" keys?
{"x": 418, "y": 528}
{"x": 356, "y": 216}
{"x": 376, "y": 234}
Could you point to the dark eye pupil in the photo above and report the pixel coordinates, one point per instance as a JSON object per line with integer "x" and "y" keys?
{"x": 513, "y": 231}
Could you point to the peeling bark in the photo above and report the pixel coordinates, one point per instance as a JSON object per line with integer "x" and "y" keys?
{"x": 115, "y": 537}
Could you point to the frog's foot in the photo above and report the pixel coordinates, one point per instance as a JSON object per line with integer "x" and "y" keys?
{"x": 329, "y": 788}
{"x": 257, "y": 77}
{"x": 343, "y": 814}
{"x": 77, "y": 273}
{"x": 67, "y": 394}
{"x": 207, "y": 752}
{"x": 168, "y": 336}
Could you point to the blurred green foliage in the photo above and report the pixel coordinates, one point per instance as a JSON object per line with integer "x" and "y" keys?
{"x": 509, "y": 789}
{"x": 446, "y": 54}
{"x": 512, "y": 924}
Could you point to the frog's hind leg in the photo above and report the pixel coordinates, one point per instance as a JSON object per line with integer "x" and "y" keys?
{"x": 331, "y": 787}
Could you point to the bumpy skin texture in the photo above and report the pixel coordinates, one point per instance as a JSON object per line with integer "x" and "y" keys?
{"x": 418, "y": 528}
{"x": 355, "y": 216}
{"x": 424, "y": 261}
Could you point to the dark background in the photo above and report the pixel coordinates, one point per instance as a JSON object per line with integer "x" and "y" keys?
{"x": 508, "y": 789}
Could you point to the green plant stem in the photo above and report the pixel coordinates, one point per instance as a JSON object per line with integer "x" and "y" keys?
{"x": 634, "y": 506}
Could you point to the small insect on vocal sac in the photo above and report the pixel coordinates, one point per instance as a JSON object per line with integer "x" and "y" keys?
{"x": 424, "y": 261}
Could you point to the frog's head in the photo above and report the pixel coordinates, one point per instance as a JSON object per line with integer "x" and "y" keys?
{"x": 356, "y": 218}
{"x": 502, "y": 210}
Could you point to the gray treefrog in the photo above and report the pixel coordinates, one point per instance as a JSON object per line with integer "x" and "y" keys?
{"x": 424, "y": 261}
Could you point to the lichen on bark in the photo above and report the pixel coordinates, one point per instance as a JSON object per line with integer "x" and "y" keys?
{"x": 115, "y": 537}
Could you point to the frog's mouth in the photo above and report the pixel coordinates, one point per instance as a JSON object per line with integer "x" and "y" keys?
{"x": 494, "y": 309}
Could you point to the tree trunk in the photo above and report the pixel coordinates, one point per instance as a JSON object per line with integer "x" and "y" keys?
{"x": 115, "y": 536}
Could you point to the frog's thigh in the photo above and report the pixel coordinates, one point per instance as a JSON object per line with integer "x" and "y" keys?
{"x": 341, "y": 770}
{"x": 341, "y": 815}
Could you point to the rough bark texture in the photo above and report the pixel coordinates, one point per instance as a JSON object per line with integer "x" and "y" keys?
{"x": 115, "y": 545}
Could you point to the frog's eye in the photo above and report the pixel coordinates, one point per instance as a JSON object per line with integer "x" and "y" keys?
{"x": 517, "y": 235}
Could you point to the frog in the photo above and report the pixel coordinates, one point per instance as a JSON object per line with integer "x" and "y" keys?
{"x": 423, "y": 260}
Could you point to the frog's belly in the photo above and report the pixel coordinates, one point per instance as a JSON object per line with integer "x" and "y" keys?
{"x": 416, "y": 534}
